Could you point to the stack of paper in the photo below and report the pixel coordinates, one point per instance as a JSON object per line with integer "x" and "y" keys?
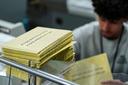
{"x": 38, "y": 46}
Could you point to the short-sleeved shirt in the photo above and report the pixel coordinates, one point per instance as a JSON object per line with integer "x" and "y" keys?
{"x": 88, "y": 44}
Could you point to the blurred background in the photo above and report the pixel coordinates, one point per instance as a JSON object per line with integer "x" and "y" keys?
{"x": 63, "y": 14}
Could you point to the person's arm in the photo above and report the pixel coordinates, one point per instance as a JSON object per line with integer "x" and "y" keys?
{"x": 76, "y": 47}
{"x": 82, "y": 34}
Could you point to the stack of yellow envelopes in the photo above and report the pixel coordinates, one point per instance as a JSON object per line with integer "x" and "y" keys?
{"x": 38, "y": 46}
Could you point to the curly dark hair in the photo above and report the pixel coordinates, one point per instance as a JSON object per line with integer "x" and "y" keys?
{"x": 111, "y": 9}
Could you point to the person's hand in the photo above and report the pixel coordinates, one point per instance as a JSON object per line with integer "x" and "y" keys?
{"x": 112, "y": 82}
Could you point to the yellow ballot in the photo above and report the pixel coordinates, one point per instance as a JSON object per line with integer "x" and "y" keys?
{"x": 37, "y": 40}
{"x": 38, "y": 46}
{"x": 90, "y": 71}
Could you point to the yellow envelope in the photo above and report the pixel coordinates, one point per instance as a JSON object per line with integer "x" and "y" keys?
{"x": 90, "y": 71}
